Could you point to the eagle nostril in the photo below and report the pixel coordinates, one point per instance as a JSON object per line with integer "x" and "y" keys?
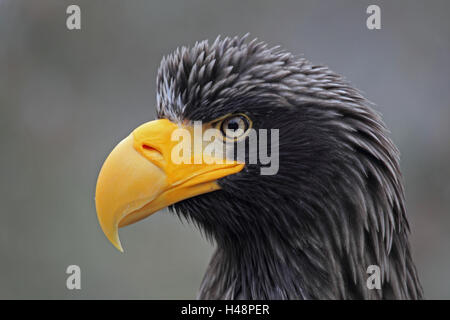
{"x": 148, "y": 148}
{"x": 153, "y": 154}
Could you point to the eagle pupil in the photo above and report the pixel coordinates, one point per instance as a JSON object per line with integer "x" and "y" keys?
{"x": 233, "y": 125}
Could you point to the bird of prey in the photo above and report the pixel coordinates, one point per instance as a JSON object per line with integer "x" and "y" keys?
{"x": 334, "y": 207}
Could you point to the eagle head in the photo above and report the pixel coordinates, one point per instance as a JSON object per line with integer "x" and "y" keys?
{"x": 310, "y": 194}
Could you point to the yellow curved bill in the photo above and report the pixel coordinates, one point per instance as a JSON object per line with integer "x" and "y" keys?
{"x": 140, "y": 177}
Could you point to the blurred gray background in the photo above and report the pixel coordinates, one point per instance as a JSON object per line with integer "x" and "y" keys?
{"x": 67, "y": 97}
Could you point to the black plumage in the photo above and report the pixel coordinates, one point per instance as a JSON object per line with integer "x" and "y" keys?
{"x": 336, "y": 204}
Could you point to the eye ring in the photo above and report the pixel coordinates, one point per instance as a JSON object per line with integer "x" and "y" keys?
{"x": 234, "y": 127}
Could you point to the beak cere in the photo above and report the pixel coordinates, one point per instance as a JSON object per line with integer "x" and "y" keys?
{"x": 139, "y": 178}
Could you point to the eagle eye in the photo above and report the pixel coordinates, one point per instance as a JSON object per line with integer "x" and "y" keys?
{"x": 234, "y": 126}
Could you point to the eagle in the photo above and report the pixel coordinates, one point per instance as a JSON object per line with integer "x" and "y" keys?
{"x": 333, "y": 209}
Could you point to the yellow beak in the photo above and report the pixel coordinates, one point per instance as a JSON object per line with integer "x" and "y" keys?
{"x": 139, "y": 178}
